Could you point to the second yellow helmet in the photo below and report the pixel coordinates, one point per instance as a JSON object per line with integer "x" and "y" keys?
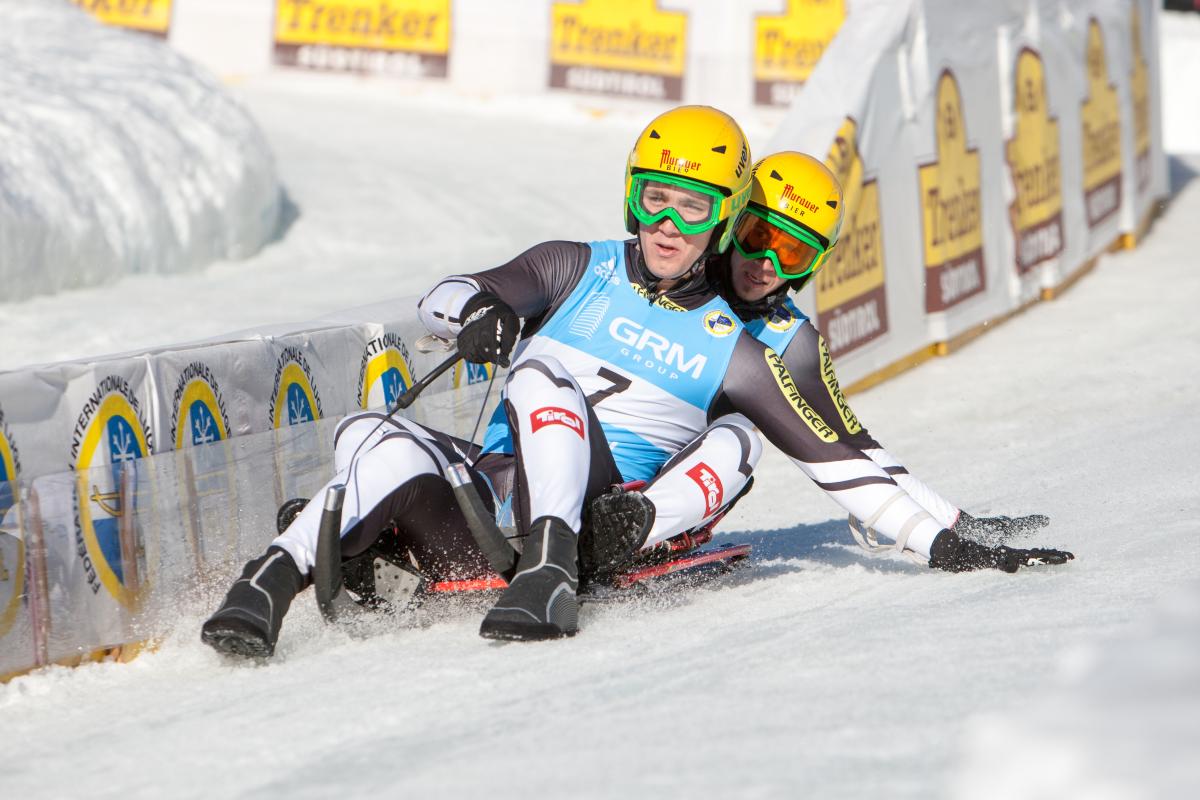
{"x": 794, "y": 216}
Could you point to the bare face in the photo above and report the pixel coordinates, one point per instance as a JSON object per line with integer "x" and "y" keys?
{"x": 669, "y": 253}
{"x": 752, "y": 280}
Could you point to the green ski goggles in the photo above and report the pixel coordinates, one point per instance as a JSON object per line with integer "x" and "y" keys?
{"x": 795, "y": 251}
{"x": 693, "y": 206}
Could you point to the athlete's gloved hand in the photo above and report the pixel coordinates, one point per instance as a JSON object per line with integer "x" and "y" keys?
{"x": 952, "y": 553}
{"x": 995, "y": 530}
{"x": 489, "y": 330}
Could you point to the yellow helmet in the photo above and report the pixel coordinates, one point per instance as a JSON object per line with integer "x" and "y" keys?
{"x": 794, "y": 216}
{"x": 697, "y": 148}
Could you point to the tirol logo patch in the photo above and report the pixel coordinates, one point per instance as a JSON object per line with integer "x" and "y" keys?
{"x": 851, "y": 297}
{"x": 1033, "y": 159}
{"x": 718, "y": 323}
{"x": 710, "y": 486}
{"x": 806, "y": 412}
{"x": 383, "y": 372}
{"x": 294, "y": 400}
{"x": 198, "y": 412}
{"x": 1101, "y": 119}
{"x": 12, "y": 548}
{"x": 849, "y": 418}
{"x": 951, "y": 215}
{"x": 109, "y": 433}
{"x": 788, "y": 45}
{"x": 553, "y": 415}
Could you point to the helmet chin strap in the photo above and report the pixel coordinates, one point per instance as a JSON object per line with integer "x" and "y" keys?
{"x": 720, "y": 273}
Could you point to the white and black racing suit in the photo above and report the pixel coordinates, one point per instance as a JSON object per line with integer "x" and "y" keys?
{"x": 729, "y": 449}
{"x": 610, "y": 379}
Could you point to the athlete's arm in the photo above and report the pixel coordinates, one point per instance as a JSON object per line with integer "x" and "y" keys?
{"x": 759, "y": 385}
{"x": 807, "y": 359}
{"x": 531, "y": 284}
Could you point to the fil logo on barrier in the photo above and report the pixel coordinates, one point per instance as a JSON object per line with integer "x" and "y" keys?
{"x": 553, "y": 415}
{"x": 710, "y": 486}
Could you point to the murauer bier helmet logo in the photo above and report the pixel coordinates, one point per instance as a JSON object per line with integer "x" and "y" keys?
{"x": 794, "y": 215}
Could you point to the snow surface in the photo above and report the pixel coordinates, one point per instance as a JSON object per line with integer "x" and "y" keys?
{"x": 818, "y": 671}
{"x": 119, "y": 156}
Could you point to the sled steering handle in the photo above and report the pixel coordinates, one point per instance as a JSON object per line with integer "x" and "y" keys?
{"x": 410, "y": 395}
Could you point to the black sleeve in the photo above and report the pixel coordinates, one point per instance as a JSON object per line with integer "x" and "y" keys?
{"x": 807, "y": 359}
{"x": 540, "y": 279}
{"x": 759, "y": 385}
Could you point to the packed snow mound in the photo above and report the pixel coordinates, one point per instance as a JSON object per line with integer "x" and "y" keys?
{"x": 120, "y": 156}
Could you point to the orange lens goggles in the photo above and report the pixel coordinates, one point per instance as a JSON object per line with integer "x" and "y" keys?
{"x": 792, "y": 256}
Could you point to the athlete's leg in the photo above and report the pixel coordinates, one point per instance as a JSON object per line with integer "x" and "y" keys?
{"x": 700, "y": 480}
{"x": 691, "y": 490}
{"x": 563, "y": 460}
{"x": 396, "y": 475}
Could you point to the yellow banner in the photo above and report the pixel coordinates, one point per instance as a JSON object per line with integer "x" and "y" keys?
{"x": 625, "y": 47}
{"x": 951, "y": 215}
{"x": 153, "y": 16}
{"x": 787, "y": 46}
{"x": 855, "y": 266}
{"x": 412, "y": 26}
{"x": 1101, "y": 115}
{"x": 631, "y": 35}
{"x": 1034, "y": 160}
{"x": 1140, "y": 89}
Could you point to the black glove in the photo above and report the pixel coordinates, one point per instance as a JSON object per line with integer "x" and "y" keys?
{"x": 996, "y": 530}
{"x": 489, "y": 330}
{"x": 955, "y": 554}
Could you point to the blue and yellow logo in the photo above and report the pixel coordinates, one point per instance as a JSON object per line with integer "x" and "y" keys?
{"x": 294, "y": 399}
{"x": 781, "y": 319}
{"x": 198, "y": 415}
{"x": 10, "y": 465}
{"x": 12, "y": 548}
{"x": 108, "y": 437}
{"x": 718, "y": 323}
{"x": 473, "y": 373}
{"x": 384, "y": 373}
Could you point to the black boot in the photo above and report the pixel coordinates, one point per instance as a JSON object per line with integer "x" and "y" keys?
{"x": 539, "y": 602}
{"x": 618, "y": 524}
{"x": 248, "y": 622}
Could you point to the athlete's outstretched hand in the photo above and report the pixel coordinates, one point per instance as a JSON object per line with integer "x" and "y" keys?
{"x": 997, "y": 530}
{"x": 952, "y": 553}
{"x": 489, "y": 330}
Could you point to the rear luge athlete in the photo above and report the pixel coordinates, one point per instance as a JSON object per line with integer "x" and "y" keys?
{"x": 790, "y": 225}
